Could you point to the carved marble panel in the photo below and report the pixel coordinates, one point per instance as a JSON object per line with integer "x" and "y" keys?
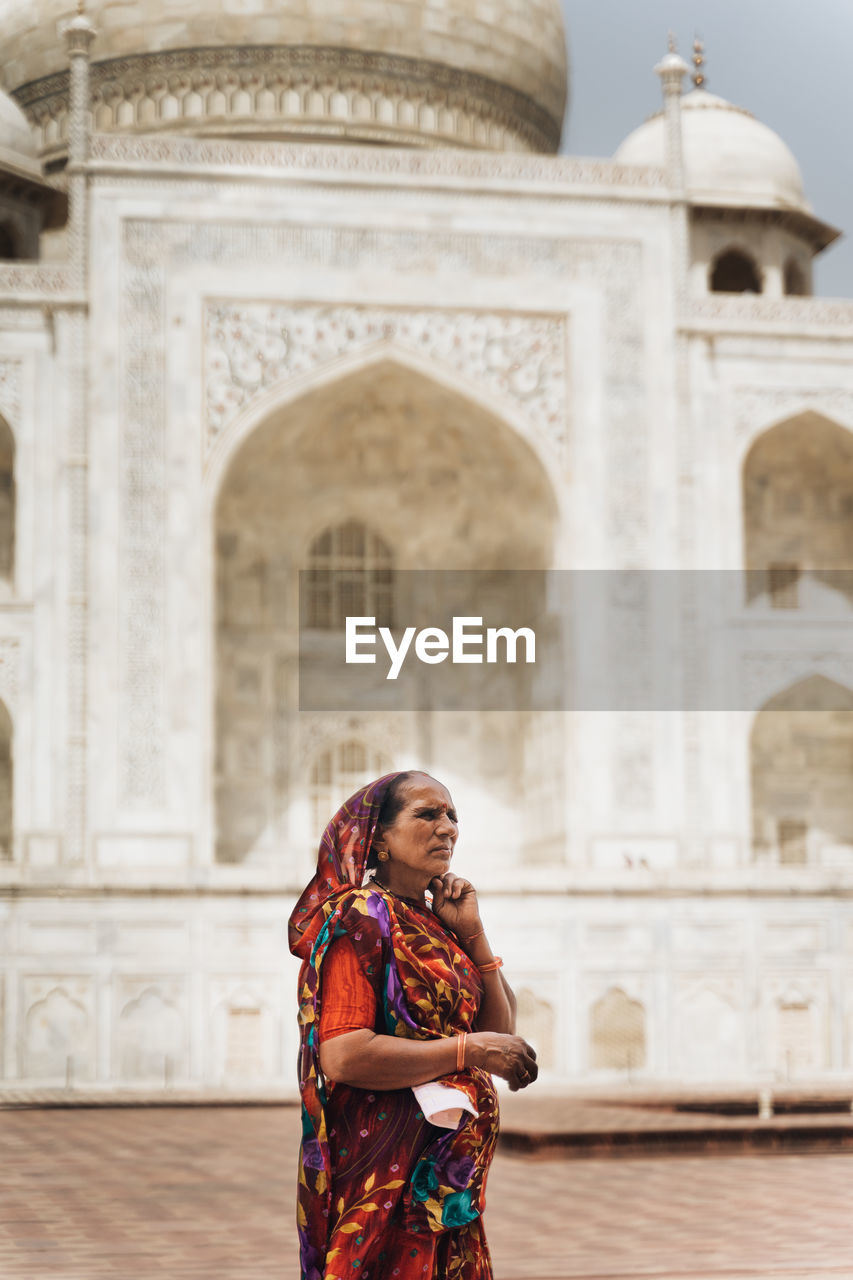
{"x": 629, "y": 935}
{"x": 709, "y": 1027}
{"x": 765, "y": 674}
{"x": 56, "y": 938}
{"x": 245, "y": 1024}
{"x": 151, "y": 1035}
{"x": 58, "y": 1028}
{"x": 757, "y": 408}
{"x": 787, "y": 937}
{"x": 251, "y": 346}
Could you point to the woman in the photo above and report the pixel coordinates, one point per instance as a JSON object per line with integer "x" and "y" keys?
{"x": 395, "y": 994}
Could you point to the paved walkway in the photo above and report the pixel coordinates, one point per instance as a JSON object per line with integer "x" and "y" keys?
{"x": 207, "y": 1194}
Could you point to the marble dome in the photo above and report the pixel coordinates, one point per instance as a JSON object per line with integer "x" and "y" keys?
{"x": 489, "y": 74}
{"x": 730, "y": 158}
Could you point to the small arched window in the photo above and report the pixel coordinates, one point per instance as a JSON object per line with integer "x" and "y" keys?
{"x": 735, "y": 272}
{"x": 350, "y": 574}
{"x": 795, "y": 279}
{"x": 617, "y": 1033}
{"x": 337, "y": 773}
{"x": 8, "y": 251}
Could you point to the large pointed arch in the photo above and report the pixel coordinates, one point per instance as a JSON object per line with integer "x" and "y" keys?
{"x": 797, "y": 508}
{"x": 801, "y": 773}
{"x": 386, "y": 353}
{"x": 435, "y": 473}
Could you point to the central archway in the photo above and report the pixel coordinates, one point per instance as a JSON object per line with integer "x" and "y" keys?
{"x": 385, "y": 463}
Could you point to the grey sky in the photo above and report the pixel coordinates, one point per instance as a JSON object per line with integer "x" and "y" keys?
{"x": 786, "y": 61}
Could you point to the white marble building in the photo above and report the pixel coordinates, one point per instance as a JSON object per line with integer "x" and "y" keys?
{"x": 274, "y": 277}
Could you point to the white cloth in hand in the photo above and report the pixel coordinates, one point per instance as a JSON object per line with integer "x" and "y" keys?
{"x": 442, "y": 1105}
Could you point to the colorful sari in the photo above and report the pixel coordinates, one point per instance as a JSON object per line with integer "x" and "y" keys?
{"x": 383, "y": 1194}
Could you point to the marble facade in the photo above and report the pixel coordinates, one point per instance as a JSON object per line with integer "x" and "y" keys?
{"x": 271, "y": 339}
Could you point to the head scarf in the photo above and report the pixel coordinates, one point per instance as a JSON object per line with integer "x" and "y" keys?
{"x": 341, "y": 864}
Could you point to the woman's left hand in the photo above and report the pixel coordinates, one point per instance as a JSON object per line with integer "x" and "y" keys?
{"x": 454, "y": 901}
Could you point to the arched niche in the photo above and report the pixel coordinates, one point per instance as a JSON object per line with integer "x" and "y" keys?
{"x": 56, "y": 1042}
{"x": 423, "y": 470}
{"x": 801, "y": 766}
{"x": 6, "y": 783}
{"x": 151, "y": 1039}
{"x": 734, "y": 271}
{"x": 617, "y": 1031}
{"x": 350, "y": 571}
{"x": 337, "y": 772}
{"x": 7, "y": 508}
{"x": 798, "y": 510}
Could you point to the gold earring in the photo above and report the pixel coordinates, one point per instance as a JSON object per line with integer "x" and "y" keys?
{"x": 383, "y": 855}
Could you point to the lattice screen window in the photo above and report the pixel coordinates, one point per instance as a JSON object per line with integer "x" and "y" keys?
{"x": 339, "y": 772}
{"x": 350, "y": 574}
{"x": 617, "y": 1033}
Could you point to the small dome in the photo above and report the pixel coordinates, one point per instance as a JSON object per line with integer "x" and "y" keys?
{"x": 491, "y": 74}
{"x": 18, "y": 145}
{"x": 730, "y": 158}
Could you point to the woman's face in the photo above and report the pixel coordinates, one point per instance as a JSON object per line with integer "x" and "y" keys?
{"x": 425, "y": 830}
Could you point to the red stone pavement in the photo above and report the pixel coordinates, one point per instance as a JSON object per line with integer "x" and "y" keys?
{"x": 207, "y": 1192}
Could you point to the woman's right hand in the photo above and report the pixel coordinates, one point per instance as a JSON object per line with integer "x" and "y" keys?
{"x": 509, "y": 1057}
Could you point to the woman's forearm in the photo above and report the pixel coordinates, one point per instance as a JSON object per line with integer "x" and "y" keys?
{"x": 369, "y": 1061}
{"x": 497, "y": 1008}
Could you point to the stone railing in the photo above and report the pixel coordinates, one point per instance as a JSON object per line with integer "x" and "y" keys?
{"x": 739, "y": 310}
{"x": 35, "y": 281}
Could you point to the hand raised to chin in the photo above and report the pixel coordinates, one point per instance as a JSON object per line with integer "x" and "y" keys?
{"x": 454, "y": 901}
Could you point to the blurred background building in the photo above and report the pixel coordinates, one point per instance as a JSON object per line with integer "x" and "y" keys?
{"x": 307, "y": 286}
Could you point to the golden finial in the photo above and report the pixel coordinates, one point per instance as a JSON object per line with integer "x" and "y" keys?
{"x": 670, "y": 44}
{"x": 698, "y": 61}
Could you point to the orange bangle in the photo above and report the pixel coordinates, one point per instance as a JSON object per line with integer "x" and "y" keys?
{"x": 475, "y": 936}
{"x": 497, "y": 963}
{"x": 460, "y": 1050}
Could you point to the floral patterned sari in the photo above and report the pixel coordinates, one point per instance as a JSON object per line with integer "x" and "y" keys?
{"x": 383, "y": 1194}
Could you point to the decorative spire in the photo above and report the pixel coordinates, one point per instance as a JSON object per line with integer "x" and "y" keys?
{"x": 698, "y": 61}
{"x": 672, "y": 68}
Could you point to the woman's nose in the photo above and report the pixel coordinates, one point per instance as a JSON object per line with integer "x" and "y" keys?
{"x": 446, "y": 824}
